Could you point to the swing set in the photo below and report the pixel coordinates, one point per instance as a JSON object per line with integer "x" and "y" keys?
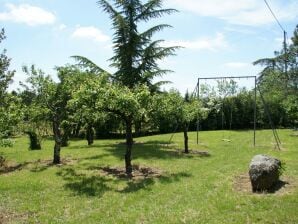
{"x": 226, "y": 93}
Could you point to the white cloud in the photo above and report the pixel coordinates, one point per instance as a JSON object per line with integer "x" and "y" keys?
{"x": 28, "y": 14}
{"x": 240, "y": 29}
{"x": 236, "y": 65}
{"x": 91, "y": 33}
{"x": 241, "y": 12}
{"x": 212, "y": 44}
{"x": 62, "y": 27}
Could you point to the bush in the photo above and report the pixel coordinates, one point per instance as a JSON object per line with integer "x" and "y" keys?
{"x": 34, "y": 141}
{"x": 7, "y": 142}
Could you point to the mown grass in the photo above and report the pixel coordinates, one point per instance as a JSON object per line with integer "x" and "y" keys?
{"x": 192, "y": 188}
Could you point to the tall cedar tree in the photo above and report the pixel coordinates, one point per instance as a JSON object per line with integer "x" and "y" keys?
{"x": 136, "y": 55}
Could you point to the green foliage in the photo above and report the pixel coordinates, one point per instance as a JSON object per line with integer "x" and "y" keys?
{"x": 34, "y": 141}
{"x": 230, "y": 107}
{"x": 280, "y": 86}
{"x": 97, "y": 96}
{"x": 5, "y": 74}
{"x": 84, "y": 100}
{"x": 7, "y": 142}
{"x": 171, "y": 110}
{"x": 11, "y": 114}
{"x": 52, "y": 98}
{"x": 126, "y": 102}
{"x": 10, "y": 108}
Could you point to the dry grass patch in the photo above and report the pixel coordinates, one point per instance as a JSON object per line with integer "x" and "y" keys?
{"x": 7, "y": 217}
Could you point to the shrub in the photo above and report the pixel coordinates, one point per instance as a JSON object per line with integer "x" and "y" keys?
{"x": 34, "y": 140}
{"x": 7, "y": 142}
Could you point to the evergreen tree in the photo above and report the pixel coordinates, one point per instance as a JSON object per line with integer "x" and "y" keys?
{"x": 136, "y": 55}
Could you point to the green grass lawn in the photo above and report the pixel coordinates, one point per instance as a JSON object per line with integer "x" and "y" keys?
{"x": 191, "y": 189}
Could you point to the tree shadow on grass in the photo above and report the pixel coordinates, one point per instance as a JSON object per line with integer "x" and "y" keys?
{"x": 83, "y": 184}
{"x": 85, "y": 146}
{"x": 97, "y": 157}
{"x": 7, "y": 167}
{"x": 93, "y": 183}
{"x": 155, "y": 149}
{"x": 147, "y": 150}
{"x": 42, "y": 165}
{"x": 11, "y": 168}
{"x": 35, "y": 166}
{"x": 145, "y": 184}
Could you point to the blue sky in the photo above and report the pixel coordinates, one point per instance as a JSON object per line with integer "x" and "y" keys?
{"x": 220, "y": 37}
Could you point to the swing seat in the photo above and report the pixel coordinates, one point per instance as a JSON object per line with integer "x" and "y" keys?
{"x": 226, "y": 140}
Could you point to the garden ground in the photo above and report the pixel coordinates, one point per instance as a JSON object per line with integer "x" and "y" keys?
{"x": 209, "y": 186}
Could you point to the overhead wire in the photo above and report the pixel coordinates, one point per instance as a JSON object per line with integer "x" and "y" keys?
{"x": 279, "y": 24}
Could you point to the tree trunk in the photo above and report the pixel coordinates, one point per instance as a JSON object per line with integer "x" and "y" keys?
{"x": 57, "y": 138}
{"x": 129, "y": 142}
{"x": 185, "y": 130}
{"x": 90, "y": 134}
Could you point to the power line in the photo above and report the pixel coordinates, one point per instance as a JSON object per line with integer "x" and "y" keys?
{"x": 274, "y": 16}
{"x": 285, "y": 37}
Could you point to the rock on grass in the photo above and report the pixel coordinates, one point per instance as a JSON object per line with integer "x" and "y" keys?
{"x": 264, "y": 172}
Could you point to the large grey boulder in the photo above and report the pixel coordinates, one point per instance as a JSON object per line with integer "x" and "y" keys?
{"x": 264, "y": 172}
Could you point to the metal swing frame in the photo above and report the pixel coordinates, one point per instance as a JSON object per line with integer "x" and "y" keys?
{"x": 277, "y": 139}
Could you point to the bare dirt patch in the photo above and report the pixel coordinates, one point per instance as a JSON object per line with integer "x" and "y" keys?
{"x": 285, "y": 186}
{"x": 35, "y": 166}
{"x": 41, "y": 165}
{"x": 9, "y": 217}
{"x": 9, "y": 166}
{"x": 139, "y": 172}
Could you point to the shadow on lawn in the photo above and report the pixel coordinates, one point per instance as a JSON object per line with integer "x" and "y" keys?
{"x": 82, "y": 184}
{"x": 133, "y": 186}
{"x": 11, "y": 168}
{"x": 147, "y": 150}
{"x": 85, "y": 146}
{"x": 97, "y": 183}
